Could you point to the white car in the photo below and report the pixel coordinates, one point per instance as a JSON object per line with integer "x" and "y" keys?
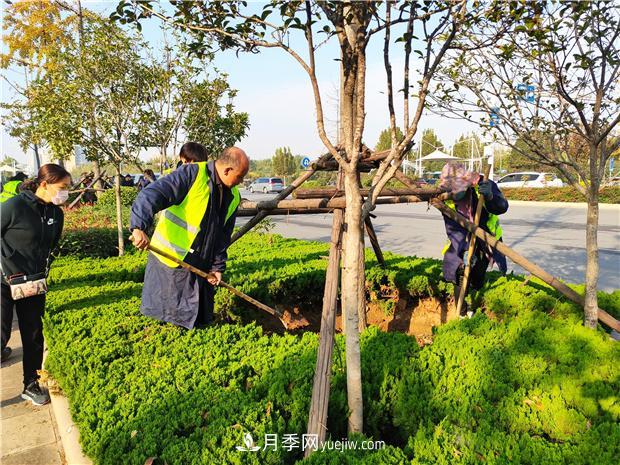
{"x": 266, "y": 185}
{"x": 530, "y": 179}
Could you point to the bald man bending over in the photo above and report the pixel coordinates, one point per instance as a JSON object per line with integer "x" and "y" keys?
{"x": 199, "y": 203}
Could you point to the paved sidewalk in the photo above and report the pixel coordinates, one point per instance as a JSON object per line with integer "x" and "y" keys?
{"x": 29, "y": 434}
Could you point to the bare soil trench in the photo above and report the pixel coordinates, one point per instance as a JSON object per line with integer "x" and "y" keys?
{"x": 413, "y": 316}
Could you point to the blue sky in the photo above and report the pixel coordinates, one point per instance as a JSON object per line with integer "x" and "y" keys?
{"x": 275, "y": 91}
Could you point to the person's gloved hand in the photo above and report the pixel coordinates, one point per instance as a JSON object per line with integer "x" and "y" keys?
{"x": 486, "y": 190}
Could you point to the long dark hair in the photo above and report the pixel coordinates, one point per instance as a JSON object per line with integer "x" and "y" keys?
{"x": 51, "y": 173}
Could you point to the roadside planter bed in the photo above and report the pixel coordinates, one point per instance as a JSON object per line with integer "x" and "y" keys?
{"x": 523, "y": 384}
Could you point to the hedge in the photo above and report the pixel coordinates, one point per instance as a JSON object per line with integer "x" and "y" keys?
{"x": 559, "y": 194}
{"x": 534, "y": 387}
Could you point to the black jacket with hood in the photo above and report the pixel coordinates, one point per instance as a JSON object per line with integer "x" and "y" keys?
{"x": 31, "y": 229}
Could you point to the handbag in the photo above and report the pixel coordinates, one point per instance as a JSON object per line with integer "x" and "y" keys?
{"x": 23, "y": 286}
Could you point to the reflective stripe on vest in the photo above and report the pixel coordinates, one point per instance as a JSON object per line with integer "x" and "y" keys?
{"x": 9, "y": 190}
{"x": 492, "y": 223}
{"x": 179, "y": 225}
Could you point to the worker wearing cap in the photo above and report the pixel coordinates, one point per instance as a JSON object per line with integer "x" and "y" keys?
{"x": 198, "y": 202}
{"x": 466, "y": 188}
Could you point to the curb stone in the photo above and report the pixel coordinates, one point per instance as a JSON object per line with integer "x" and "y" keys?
{"x": 69, "y": 433}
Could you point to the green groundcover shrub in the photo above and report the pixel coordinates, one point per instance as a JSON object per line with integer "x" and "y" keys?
{"x": 533, "y": 387}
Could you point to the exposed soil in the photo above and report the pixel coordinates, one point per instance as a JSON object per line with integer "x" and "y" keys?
{"x": 416, "y": 317}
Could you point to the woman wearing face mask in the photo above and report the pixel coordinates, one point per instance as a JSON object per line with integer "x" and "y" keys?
{"x": 466, "y": 188}
{"x": 31, "y": 226}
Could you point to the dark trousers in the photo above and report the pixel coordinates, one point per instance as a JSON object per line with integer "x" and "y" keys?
{"x": 206, "y": 304}
{"x": 29, "y": 316}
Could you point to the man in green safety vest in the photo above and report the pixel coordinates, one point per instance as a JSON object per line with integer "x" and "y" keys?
{"x": 466, "y": 188}
{"x": 11, "y": 187}
{"x": 198, "y": 204}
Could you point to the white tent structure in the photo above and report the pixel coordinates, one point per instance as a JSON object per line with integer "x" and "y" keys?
{"x": 438, "y": 155}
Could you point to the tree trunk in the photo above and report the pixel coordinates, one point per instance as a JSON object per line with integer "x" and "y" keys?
{"x": 592, "y": 266}
{"x": 361, "y": 290}
{"x": 97, "y": 174}
{"x": 119, "y": 211}
{"x": 162, "y": 159}
{"x": 37, "y": 159}
{"x": 350, "y": 296}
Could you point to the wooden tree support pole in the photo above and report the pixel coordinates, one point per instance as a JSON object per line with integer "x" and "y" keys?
{"x": 317, "y": 421}
{"x": 502, "y": 248}
{"x": 260, "y": 215}
{"x": 92, "y": 183}
{"x": 374, "y": 241}
{"x": 339, "y": 202}
{"x": 332, "y": 192}
{"x": 471, "y": 249}
{"x": 243, "y": 212}
{"x": 536, "y": 270}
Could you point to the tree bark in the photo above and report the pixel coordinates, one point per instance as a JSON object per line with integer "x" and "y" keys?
{"x": 119, "y": 211}
{"x": 37, "y": 159}
{"x": 592, "y": 266}
{"x": 350, "y": 304}
{"x": 97, "y": 174}
{"x": 361, "y": 290}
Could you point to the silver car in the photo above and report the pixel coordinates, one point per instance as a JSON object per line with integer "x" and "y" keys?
{"x": 266, "y": 185}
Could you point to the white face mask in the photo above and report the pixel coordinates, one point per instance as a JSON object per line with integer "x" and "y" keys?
{"x": 60, "y": 197}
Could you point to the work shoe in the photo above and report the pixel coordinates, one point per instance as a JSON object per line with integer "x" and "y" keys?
{"x": 464, "y": 311}
{"x": 35, "y": 394}
{"x": 6, "y": 353}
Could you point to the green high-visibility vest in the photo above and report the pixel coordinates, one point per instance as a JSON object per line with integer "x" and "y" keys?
{"x": 9, "y": 190}
{"x": 492, "y": 223}
{"x": 179, "y": 225}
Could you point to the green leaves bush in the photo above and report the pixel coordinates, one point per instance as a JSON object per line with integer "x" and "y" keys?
{"x": 560, "y": 194}
{"x": 534, "y": 387}
{"x": 108, "y": 197}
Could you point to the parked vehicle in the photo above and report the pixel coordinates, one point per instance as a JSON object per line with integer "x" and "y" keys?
{"x": 266, "y": 185}
{"x": 611, "y": 182}
{"x": 431, "y": 177}
{"x": 530, "y": 179}
{"x": 137, "y": 177}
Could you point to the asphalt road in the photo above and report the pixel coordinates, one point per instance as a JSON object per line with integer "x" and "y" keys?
{"x": 550, "y": 236}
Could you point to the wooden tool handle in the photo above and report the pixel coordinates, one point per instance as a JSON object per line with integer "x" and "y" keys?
{"x": 471, "y": 248}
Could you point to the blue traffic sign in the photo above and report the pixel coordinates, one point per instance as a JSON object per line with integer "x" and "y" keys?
{"x": 527, "y": 92}
{"x": 305, "y": 162}
{"x": 494, "y": 117}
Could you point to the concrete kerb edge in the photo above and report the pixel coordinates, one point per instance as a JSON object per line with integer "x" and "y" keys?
{"x": 584, "y": 205}
{"x": 69, "y": 433}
